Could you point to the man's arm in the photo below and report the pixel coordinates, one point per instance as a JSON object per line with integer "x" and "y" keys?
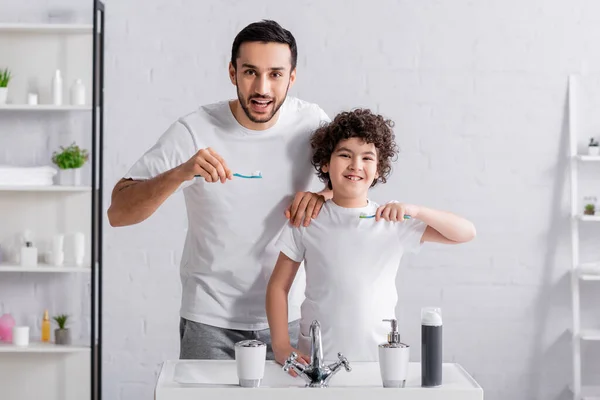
{"x": 326, "y": 193}
{"x": 133, "y": 201}
{"x": 306, "y": 206}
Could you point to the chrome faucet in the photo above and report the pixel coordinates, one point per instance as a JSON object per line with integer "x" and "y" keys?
{"x": 316, "y": 374}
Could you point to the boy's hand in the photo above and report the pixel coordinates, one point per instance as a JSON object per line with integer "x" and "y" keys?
{"x": 395, "y": 211}
{"x": 306, "y": 205}
{"x": 281, "y": 355}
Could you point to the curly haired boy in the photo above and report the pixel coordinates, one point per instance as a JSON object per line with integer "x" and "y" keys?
{"x": 351, "y": 262}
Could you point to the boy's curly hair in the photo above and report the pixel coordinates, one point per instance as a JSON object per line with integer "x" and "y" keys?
{"x": 359, "y": 123}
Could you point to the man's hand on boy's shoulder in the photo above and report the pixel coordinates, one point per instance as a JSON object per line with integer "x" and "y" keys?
{"x": 395, "y": 211}
{"x": 304, "y": 207}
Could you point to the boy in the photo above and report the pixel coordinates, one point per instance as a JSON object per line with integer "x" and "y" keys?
{"x": 351, "y": 262}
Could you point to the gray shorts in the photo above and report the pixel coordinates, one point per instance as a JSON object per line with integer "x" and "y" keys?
{"x": 205, "y": 342}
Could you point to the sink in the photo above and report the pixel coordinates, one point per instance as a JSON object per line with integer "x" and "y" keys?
{"x": 217, "y": 379}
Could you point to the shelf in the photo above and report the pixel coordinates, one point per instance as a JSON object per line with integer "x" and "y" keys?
{"x": 46, "y": 188}
{"x": 38, "y": 347}
{"x": 589, "y": 277}
{"x": 43, "y": 107}
{"x": 46, "y": 28}
{"x": 590, "y": 392}
{"x": 588, "y": 272}
{"x": 587, "y": 158}
{"x": 589, "y": 218}
{"x": 44, "y": 268}
{"x": 590, "y": 334}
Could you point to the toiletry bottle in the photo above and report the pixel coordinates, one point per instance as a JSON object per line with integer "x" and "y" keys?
{"x": 46, "y": 327}
{"x": 57, "y": 253}
{"x": 78, "y": 93}
{"x": 57, "y": 88}
{"x": 431, "y": 346}
{"x": 393, "y": 358}
{"x": 29, "y": 256}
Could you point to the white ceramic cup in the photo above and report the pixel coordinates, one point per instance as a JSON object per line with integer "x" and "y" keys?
{"x": 57, "y": 258}
{"x": 58, "y": 242}
{"x": 20, "y": 335}
{"x": 32, "y": 99}
{"x": 393, "y": 365}
{"x": 250, "y": 357}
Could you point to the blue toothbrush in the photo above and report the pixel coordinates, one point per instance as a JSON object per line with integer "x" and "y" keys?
{"x": 254, "y": 175}
{"x": 373, "y": 216}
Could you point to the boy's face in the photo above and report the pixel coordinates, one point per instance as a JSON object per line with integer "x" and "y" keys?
{"x": 352, "y": 168}
{"x": 262, "y": 76}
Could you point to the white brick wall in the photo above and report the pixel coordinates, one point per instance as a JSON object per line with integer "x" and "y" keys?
{"x": 478, "y": 92}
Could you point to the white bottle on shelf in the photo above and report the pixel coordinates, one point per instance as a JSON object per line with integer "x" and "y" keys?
{"x": 57, "y": 254}
{"x": 78, "y": 248}
{"x": 29, "y": 256}
{"x": 78, "y": 93}
{"x": 57, "y": 88}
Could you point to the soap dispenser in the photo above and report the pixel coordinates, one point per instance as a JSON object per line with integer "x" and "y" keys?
{"x": 393, "y": 358}
{"x": 29, "y": 255}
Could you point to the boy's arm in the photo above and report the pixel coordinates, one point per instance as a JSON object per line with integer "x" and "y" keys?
{"x": 445, "y": 227}
{"x": 277, "y": 305}
{"x": 431, "y": 225}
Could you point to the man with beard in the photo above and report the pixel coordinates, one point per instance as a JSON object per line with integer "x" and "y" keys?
{"x": 244, "y": 167}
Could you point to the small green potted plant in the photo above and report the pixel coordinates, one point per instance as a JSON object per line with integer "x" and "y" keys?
{"x": 62, "y": 335}
{"x": 589, "y": 209}
{"x": 5, "y": 76}
{"x": 69, "y": 161}
{"x": 593, "y": 149}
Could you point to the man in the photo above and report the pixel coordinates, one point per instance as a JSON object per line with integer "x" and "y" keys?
{"x": 233, "y": 222}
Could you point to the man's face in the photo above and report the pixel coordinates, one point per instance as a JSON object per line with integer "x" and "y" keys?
{"x": 262, "y": 77}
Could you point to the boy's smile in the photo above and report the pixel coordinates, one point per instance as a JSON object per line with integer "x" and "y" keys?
{"x": 352, "y": 169}
{"x": 353, "y": 177}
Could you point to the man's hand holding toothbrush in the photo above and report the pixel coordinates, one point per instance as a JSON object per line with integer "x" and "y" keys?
{"x": 208, "y": 164}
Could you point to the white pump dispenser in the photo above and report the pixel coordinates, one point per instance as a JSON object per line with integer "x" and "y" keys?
{"x": 393, "y": 358}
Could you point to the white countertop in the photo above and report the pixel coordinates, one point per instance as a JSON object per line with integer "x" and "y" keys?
{"x": 217, "y": 379}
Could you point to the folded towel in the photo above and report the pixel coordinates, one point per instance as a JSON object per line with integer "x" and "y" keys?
{"x": 40, "y": 175}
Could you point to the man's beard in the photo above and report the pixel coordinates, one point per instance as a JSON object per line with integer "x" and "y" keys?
{"x": 248, "y": 113}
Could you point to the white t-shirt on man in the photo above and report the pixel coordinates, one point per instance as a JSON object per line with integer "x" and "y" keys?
{"x": 229, "y": 253}
{"x": 351, "y": 266}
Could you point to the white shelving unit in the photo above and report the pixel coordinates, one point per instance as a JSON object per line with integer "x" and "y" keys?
{"x": 45, "y": 28}
{"x": 48, "y": 188}
{"x": 33, "y": 52}
{"x": 39, "y": 347}
{"x": 62, "y": 46}
{"x": 579, "y": 271}
{"x": 44, "y": 268}
{"x": 42, "y": 107}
